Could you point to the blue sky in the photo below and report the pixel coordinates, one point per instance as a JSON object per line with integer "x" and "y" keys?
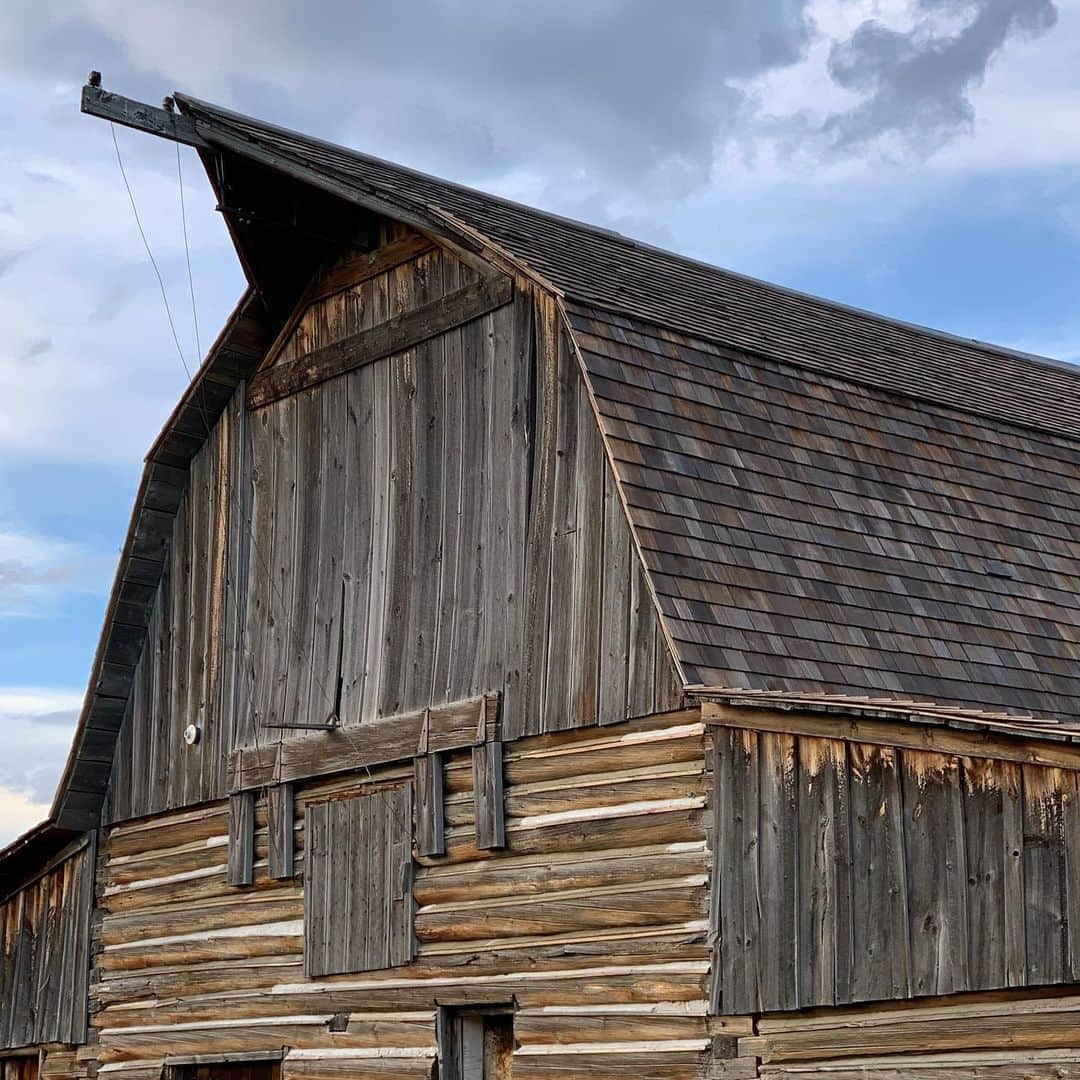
{"x": 916, "y": 157}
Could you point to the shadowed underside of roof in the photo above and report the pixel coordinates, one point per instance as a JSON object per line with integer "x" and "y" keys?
{"x": 608, "y": 270}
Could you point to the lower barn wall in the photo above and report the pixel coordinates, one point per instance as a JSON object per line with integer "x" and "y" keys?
{"x": 44, "y": 949}
{"x": 848, "y": 871}
{"x": 593, "y": 921}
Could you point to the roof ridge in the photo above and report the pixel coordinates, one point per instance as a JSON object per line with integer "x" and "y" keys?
{"x": 1051, "y": 363}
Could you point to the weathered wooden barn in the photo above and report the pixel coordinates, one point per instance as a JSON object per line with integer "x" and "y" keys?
{"x": 538, "y": 655}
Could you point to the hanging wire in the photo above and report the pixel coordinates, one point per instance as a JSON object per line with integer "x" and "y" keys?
{"x": 150, "y": 254}
{"x": 187, "y": 256}
{"x": 234, "y": 498}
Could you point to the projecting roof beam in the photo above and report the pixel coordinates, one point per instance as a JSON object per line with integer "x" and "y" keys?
{"x": 134, "y": 114}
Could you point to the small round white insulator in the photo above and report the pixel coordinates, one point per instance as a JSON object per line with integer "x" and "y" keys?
{"x": 191, "y": 734}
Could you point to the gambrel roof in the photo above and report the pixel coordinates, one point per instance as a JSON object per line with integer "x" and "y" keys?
{"x": 827, "y": 502}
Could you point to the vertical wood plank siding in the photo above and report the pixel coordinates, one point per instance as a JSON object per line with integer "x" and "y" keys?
{"x": 358, "y": 904}
{"x": 280, "y": 810}
{"x": 242, "y": 838}
{"x": 188, "y": 671}
{"x": 438, "y": 524}
{"x": 487, "y": 766}
{"x": 430, "y": 804}
{"x": 44, "y": 955}
{"x": 846, "y": 872}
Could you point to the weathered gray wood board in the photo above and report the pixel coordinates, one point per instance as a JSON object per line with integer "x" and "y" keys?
{"x": 848, "y": 872}
{"x": 488, "y": 800}
{"x": 45, "y": 955}
{"x": 358, "y": 902}
{"x": 241, "y": 838}
{"x": 430, "y": 811}
{"x": 436, "y": 524}
{"x": 280, "y": 828}
{"x": 187, "y": 670}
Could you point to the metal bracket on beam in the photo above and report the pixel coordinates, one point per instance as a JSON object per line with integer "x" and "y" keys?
{"x": 149, "y": 118}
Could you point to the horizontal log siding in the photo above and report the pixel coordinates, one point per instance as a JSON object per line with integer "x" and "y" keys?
{"x": 44, "y": 955}
{"x": 593, "y": 920}
{"x": 1019, "y": 1035}
{"x": 850, "y": 872}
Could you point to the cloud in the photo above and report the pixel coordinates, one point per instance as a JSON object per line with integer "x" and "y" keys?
{"x": 34, "y": 348}
{"x": 915, "y": 85}
{"x": 622, "y": 112}
{"x": 621, "y": 88}
{"x": 18, "y": 814}
{"x": 38, "y": 723}
{"x": 7, "y": 260}
{"x": 36, "y": 569}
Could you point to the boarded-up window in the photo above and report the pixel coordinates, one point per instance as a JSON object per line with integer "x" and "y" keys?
{"x": 358, "y": 907}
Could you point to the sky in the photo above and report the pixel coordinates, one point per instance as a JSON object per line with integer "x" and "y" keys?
{"x": 915, "y": 157}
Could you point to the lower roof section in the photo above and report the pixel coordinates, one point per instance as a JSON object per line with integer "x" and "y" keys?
{"x": 811, "y": 535}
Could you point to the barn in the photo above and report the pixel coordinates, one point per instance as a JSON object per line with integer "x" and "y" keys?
{"x": 535, "y": 654}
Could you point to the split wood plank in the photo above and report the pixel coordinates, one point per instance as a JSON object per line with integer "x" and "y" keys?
{"x": 488, "y": 800}
{"x": 430, "y": 805}
{"x": 241, "y": 866}
{"x": 280, "y": 811}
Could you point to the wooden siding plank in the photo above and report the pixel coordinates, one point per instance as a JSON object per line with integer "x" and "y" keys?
{"x": 880, "y": 955}
{"x": 778, "y": 869}
{"x": 1045, "y": 889}
{"x": 936, "y": 873}
{"x": 996, "y": 921}
{"x": 619, "y": 558}
{"x": 241, "y": 865}
{"x": 740, "y": 887}
{"x": 430, "y": 805}
{"x": 280, "y": 814}
{"x": 488, "y": 800}
{"x": 825, "y": 860}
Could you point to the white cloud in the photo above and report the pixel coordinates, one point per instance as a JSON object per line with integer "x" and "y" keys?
{"x": 18, "y": 813}
{"x": 34, "y": 570}
{"x": 38, "y": 724}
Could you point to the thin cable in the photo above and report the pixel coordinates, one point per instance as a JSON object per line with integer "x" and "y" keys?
{"x": 150, "y": 254}
{"x": 286, "y": 609}
{"x": 187, "y": 256}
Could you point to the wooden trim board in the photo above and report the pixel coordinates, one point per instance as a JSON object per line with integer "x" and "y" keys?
{"x": 358, "y": 746}
{"x": 905, "y": 735}
{"x": 393, "y": 336}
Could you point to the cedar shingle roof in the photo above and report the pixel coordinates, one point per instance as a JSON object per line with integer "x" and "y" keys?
{"x": 827, "y": 501}
{"x": 620, "y": 274}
